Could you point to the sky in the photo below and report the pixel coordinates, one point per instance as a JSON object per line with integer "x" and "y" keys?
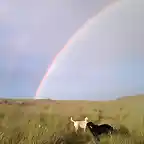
{"x": 32, "y": 32}
{"x": 103, "y": 60}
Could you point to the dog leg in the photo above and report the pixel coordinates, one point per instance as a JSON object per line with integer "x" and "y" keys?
{"x": 96, "y": 140}
{"x": 76, "y": 129}
{"x": 84, "y": 129}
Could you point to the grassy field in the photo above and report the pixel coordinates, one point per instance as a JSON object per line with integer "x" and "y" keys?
{"x": 48, "y": 121}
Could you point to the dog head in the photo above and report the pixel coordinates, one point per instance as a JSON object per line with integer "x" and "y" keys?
{"x": 91, "y": 125}
{"x": 86, "y": 118}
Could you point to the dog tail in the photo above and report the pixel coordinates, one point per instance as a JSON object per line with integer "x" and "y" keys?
{"x": 72, "y": 120}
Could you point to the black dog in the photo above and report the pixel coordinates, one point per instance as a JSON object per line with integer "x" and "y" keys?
{"x": 98, "y": 130}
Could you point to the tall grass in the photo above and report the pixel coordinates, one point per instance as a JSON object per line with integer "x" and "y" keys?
{"x": 45, "y": 124}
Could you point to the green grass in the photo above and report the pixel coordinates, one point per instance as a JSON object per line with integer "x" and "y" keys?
{"x": 48, "y": 122}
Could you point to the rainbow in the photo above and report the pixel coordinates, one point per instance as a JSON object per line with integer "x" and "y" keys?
{"x": 78, "y": 32}
{"x": 49, "y": 69}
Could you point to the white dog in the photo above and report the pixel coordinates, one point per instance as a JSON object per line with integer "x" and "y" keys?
{"x": 81, "y": 124}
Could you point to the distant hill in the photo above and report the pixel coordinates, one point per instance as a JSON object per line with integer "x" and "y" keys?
{"x": 137, "y": 97}
{"x": 125, "y": 99}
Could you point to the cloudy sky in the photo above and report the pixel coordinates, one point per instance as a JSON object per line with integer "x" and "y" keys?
{"x": 32, "y": 32}
{"x": 104, "y": 59}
